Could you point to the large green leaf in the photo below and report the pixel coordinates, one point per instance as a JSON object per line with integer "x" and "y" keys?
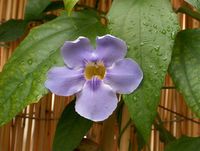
{"x": 185, "y": 67}
{"x": 195, "y": 3}
{"x": 69, "y": 4}
{"x": 184, "y": 144}
{"x": 22, "y": 79}
{"x": 149, "y": 28}
{"x": 12, "y": 30}
{"x": 34, "y": 8}
{"x": 70, "y": 130}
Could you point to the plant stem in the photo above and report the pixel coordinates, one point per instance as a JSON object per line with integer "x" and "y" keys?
{"x": 124, "y": 137}
{"x": 107, "y": 140}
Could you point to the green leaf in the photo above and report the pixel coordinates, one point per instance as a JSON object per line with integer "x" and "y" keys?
{"x": 185, "y": 67}
{"x": 69, "y": 4}
{"x": 12, "y": 30}
{"x": 164, "y": 135}
{"x": 149, "y": 28}
{"x": 34, "y": 8}
{"x": 22, "y": 79}
{"x": 140, "y": 141}
{"x": 54, "y": 6}
{"x": 195, "y": 3}
{"x": 70, "y": 130}
{"x": 184, "y": 144}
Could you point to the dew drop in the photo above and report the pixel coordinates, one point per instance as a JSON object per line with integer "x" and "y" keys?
{"x": 30, "y": 61}
{"x": 155, "y": 26}
{"x": 165, "y": 58}
{"x": 150, "y": 30}
{"x": 22, "y": 62}
{"x": 142, "y": 44}
{"x": 163, "y": 31}
{"x": 173, "y": 35}
{"x": 21, "y": 84}
{"x": 145, "y": 24}
{"x": 157, "y": 48}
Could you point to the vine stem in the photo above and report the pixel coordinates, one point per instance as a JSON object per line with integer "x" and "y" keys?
{"x": 125, "y": 133}
{"x": 108, "y": 133}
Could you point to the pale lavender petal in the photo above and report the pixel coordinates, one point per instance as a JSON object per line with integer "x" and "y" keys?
{"x": 77, "y": 52}
{"x": 64, "y": 81}
{"x": 96, "y": 101}
{"x": 124, "y": 76}
{"x": 110, "y": 49}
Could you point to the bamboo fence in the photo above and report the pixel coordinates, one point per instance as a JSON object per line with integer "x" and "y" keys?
{"x": 33, "y": 129}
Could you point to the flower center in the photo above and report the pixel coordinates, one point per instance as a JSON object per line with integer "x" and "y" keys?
{"x": 95, "y": 69}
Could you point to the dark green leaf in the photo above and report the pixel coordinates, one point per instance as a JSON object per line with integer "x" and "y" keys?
{"x": 149, "y": 28}
{"x": 54, "y": 6}
{"x": 22, "y": 79}
{"x": 34, "y": 8}
{"x": 70, "y": 130}
{"x": 165, "y": 136}
{"x": 140, "y": 141}
{"x": 184, "y": 144}
{"x": 185, "y": 67}
{"x": 69, "y": 4}
{"x": 195, "y": 3}
{"x": 12, "y": 30}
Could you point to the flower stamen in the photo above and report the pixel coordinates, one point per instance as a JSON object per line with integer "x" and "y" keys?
{"x": 95, "y": 69}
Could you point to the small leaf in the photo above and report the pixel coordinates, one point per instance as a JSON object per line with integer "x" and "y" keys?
{"x": 12, "y": 30}
{"x": 195, "y": 3}
{"x": 34, "y": 8}
{"x": 149, "y": 28}
{"x": 185, "y": 67}
{"x": 184, "y": 144}
{"x": 69, "y": 4}
{"x": 23, "y": 76}
{"x": 70, "y": 130}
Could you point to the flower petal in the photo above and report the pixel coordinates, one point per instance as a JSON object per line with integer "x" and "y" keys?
{"x": 76, "y": 52}
{"x": 64, "y": 81}
{"x": 124, "y": 76}
{"x": 96, "y": 101}
{"x": 110, "y": 49}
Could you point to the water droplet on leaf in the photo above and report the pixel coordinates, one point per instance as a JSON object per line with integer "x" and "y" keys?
{"x": 30, "y": 61}
{"x": 157, "y": 48}
{"x": 173, "y": 35}
{"x": 142, "y": 44}
{"x": 163, "y": 31}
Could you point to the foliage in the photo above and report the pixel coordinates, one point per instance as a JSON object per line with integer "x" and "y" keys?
{"x": 195, "y": 3}
{"x": 184, "y": 67}
{"x": 34, "y": 8}
{"x": 137, "y": 23}
{"x": 69, "y": 133}
{"x": 69, "y": 4}
{"x": 12, "y": 30}
{"x": 184, "y": 144}
{"x": 24, "y": 84}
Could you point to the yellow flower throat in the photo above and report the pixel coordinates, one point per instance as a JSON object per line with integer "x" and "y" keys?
{"x": 95, "y": 69}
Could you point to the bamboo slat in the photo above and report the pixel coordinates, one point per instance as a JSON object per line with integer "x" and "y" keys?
{"x": 34, "y": 128}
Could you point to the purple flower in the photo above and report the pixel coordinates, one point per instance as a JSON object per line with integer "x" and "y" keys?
{"x": 95, "y": 76}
